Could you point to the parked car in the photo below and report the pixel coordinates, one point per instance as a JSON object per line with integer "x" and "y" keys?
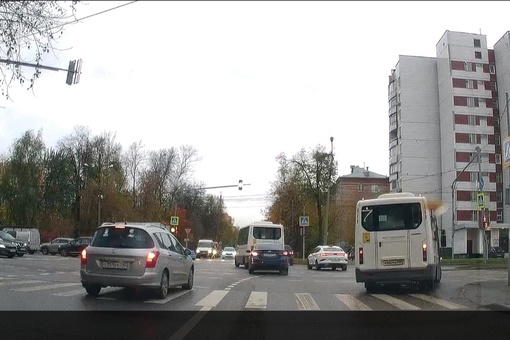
{"x": 327, "y": 256}
{"x": 30, "y": 236}
{"x": 74, "y": 247}
{"x": 290, "y": 254}
{"x": 53, "y": 247}
{"x": 133, "y": 255}
{"x": 495, "y": 252}
{"x": 228, "y": 253}
{"x": 268, "y": 256}
{"x": 21, "y": 247}
{"x": 7, "y": 248}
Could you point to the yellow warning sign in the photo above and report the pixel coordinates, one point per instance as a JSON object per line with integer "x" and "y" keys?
{"x": 366, "y": 237}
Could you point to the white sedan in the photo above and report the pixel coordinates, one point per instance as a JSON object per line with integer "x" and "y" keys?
{"x": 327, "y": 257}
{"x": 228, "y": 252}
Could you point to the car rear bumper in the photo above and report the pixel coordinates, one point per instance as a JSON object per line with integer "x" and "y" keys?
{"x": 396, "y": 276}
{"x": 332, "y": 263}
{"x": 148, "y": 279}
{"x": 263, "y": 264}
{"x": 7, "y": 251}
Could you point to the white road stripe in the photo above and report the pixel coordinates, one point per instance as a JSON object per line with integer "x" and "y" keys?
{"x": 24, "y": 282}
{"x": 396, "y": 302}
{"x": 71, "y": 293}
{"x": 212, "y": 299}
{"x": 305, "y": 301}
{"x": 257, "y": 300}
{"x": 351, "y": 302}
{"x": 169, "y": 298}
{"x": 36, "y": 288}
{"x": 446, "y": 304}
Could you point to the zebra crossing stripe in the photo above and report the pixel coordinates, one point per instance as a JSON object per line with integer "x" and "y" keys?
{"x": 71, "y": 293}
{"x": 212, "y": 299}
{"x": 446, "y": 304}
{"x": 36, "y": 288}
{"x": 257, "y": 300}
{"x": 169, "y": 298}
{"x": 396, "y": 302}
{"x": 305, "y": 301}
{"x": 351, "y": 302}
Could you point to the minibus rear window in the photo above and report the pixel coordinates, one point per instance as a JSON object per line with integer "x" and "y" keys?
{"x": 264, "y": 233}
{"x": 403, "y": 216}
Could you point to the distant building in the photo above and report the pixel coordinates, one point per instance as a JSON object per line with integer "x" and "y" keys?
{"x": 359, "y": 184}
{"x": 440, "y": 110}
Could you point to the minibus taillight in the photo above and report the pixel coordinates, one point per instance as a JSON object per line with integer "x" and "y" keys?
{"x": 360, "y": 255}
{"x": 424, "y": 252}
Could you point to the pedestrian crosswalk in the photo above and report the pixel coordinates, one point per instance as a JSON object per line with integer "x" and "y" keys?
{"x": 231, "y": 298}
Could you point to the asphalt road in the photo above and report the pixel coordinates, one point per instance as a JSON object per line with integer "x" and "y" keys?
{"x": 221, "y": 291}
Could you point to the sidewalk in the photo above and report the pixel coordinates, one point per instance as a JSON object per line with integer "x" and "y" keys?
{"x": 489, "y": 295}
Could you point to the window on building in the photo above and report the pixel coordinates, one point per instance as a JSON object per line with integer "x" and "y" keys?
{"x": 494, "y": 86}
{"x": 474, "y": 215}
{"x": 499, "y": 178}
{"x": 496, "y": 121}
{"x": 360, "y": 187}
{"x": 499, "y": 196}
{"x": 495, "y": 104}
{"x": 472, "y": 120}
{"x": 476, "y": 43}
{"x": 473, "y": 177}
{"x": 492, "y": 69}
{"x": 507, "y": 196}
{"x": 499, "y": 215}
{"x": 472, "y": 138}
{"x": 498, "y": 158}
{"x": 481, "y": 85}
{"x": 468, "y": 66}
{"x": 469, "y": 84}
{"x": 473, "y": 196}
{"x": 375, "y": 189}
{"x": 478, "y": 55}
{"x": 470, "y": 101}
{"x": 497, "y": 140}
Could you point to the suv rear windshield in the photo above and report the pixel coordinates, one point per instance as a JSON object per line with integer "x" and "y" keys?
{"x": 111, "y": 237}
{"x": 388, "y": 217}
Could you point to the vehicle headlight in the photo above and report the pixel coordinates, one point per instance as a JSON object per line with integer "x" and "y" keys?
{"x": 209, "y": 251}
{"x": 2, "y": 246}
{"x": 214, "y": 252}
{"x": 24, "y": 244}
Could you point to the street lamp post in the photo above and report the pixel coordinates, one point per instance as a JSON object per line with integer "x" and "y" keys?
{"x": 325, "y": 232}
{"x": 99, "y": 198}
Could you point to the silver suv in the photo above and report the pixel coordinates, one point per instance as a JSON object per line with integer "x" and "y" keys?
{"x": 127, "y": 254}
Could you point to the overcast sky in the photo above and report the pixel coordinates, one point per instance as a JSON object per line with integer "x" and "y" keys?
{"x": 240, "y": 81}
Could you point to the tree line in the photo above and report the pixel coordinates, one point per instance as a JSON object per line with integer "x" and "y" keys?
{"x": 84, "y": 180}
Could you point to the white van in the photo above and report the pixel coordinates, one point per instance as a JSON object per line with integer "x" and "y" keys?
{"x": 256, "y": 232}
{"x": 31, "y": 236}
{"x": 396, "y": 242}
{"x": 207, "y": 249}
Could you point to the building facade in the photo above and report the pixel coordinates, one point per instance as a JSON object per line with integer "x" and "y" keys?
{"x": 441, "y": 112}
{"x": 359, "y": 184}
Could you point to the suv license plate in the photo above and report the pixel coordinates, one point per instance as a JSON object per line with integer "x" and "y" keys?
{"x": 115, "y": 265}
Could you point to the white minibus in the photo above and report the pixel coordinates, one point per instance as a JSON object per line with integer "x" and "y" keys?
{"x": 397, "y": 242}
{"x": 256, "y": 232}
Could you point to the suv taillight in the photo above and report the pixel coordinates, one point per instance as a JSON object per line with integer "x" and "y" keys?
{"x": 83, "y": 257}
{"x": 152, "y": 258}
{"x": 360, "y": 255}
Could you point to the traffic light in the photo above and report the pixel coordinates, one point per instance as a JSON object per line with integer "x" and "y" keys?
{"x": 240, "y": 186}
{"x": 70, "y": 72}
{"x": 487, "y": 219}
{"x": 443, "y": 238}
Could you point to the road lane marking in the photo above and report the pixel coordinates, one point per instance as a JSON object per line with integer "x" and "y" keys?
{"x": 169, "y": 298}
{"x": 352, "y": 302}
{"x": 212, "y": 299}
{"x": 36, "y": 288}
{"x": 71, "y": 293}
{"x": 446, "y": 304}
{"x": 188, "y": 326}
{"x": 396, "y": 302}
{"x": 305, "y": 301}
{"x": 24, "y": 282}
{"x": 257, "y": 300}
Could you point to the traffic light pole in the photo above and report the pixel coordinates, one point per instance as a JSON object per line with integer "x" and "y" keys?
{"x": 73, "y": 72}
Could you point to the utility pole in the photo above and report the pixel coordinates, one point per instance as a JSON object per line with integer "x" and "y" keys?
{"x": 481, "y": 212}
{"x": 330, "y": 165}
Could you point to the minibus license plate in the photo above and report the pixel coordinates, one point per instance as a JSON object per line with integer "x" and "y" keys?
{"x": 394, "y": 262}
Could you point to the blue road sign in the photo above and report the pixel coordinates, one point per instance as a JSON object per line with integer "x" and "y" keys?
{"x": 303, "y": 221}
{"x": 174, "y": 220}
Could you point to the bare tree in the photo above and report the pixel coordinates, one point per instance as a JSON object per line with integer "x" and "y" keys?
{"x": 133, "y": 160}
{"x": 28, "y": 31}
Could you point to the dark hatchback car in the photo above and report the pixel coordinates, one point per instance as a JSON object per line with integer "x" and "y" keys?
{"x": 74, "y": 247}
{"x": 290, "y": 254}
{"x": 7, "y": 247}
{"x": 268, "y": 256}
{"x": 21, "y": 247}
{"x": 495, "y": 252}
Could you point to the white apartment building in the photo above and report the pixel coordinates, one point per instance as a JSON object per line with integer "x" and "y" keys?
{"x": 440, "y": 111}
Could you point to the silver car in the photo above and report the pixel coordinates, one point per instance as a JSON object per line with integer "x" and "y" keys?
{"x": 135, "y": 255}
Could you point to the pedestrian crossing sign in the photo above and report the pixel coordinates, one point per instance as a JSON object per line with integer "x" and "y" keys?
{"x": 174, "y": 220}
{"x": 303, "y": 221}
